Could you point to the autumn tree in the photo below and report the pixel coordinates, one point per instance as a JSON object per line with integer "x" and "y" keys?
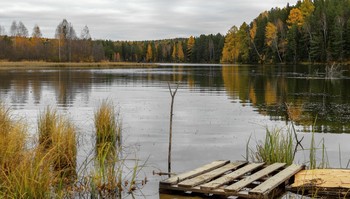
{"x": 174, "y": 53}
{"x": 22, "y": 31}
{"x": 243, "y": 36}
{"x": 257, "y": 36}
{"x": 65, "y": 33}
{"x": 307, "y": 8}
{"x": 36, "y": 32}
{"x": 272, "y": 38}
{"x": 149, "y": 55}
{"x": 295, "y": 17}
{"x": 230, "y": 52}
{"x": 190, "y": 44}
{"x": 85, "y": 33}
{"x": 180, "y": 52}
{"x": 13, "y": 29}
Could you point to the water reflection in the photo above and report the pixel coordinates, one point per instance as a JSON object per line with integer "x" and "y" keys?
{"x": 265, "y": 88}
{"x": 312, "y": 99}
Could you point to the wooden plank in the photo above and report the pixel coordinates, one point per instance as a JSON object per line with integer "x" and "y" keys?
{"x": 215, "y": 192}
{"x": 190, "y": 189}
{"x": 211, "y": 175}
{"x": 246, "y": 181}
{"x": 276, "y": 180}
{"x": 198, "y": 171}
{"x": 226, "y": 179}
{"x": 323, "y": 178}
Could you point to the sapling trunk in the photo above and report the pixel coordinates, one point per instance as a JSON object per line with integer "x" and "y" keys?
{"x": 172, "y": 94}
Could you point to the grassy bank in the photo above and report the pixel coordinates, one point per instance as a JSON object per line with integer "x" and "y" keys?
{"x": 49, "y": 169}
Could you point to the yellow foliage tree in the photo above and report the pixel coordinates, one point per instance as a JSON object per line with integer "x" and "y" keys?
{"x": 295, "y": 18}
{"x": 180, "y": 52}
{"x": 272, "y": 38}
{"x": 190, "y": 43}
{"x": 270, "y": 33}
{"x": 252, "y": 31}
{"x": 149, "y": 54}
{"x": 173, "y": 54}
{"x": 231, "y": 48}
{"x": 307, "y": 8}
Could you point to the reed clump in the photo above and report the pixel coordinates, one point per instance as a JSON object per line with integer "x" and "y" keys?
{"x": 30, "y": 178}
{"x": 57, "y": 135}
{"x": 108, "y": 128}
{"x": 13, "y": 137}
{"x": 106, "y": 176}
{"x": 47, "y": 122}
{"x": 64, "y": 149}
{"x": 49, "y": 168}
{"x": 22, "y": 174}
{"x": 278, "y": 146}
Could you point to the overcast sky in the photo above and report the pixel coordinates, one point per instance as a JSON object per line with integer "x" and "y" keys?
{"x": 135, "y": 19}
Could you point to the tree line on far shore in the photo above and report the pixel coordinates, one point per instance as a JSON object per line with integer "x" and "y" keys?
{"x": 66, "y": 46}
{"x": 310, "y": 31}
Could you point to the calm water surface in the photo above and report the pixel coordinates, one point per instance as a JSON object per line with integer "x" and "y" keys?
{"x": 217, "y": 108}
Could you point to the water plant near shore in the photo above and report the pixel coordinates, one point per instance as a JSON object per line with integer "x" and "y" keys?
{"x": 49, "y": 168}
{"x": 278, "y": 146}
{"x": 57, "y": 135}
{"x": 47, "y": 122}
{"x": 108, "y": 129}
{"x": 107, "y": 180}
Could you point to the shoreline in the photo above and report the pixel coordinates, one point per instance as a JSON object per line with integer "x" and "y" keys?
{"x": 43, "y": 64}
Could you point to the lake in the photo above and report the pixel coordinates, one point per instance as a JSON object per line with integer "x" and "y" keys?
{"x": 217, "y": 109}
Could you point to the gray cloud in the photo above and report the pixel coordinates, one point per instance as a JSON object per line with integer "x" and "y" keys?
{"x": 135, "y": 19}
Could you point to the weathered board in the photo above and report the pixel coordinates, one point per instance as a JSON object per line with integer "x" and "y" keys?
{"x": 226, "y": 179}
{"x": 240, "y": 179}
{"x": 198, "y": 171}
{"x": 325, "y": 183}
{"x": 210, "y": 175}
{"x": 327, "y": 178}
{"x": 248, "y": 180}
{"x": 276, "y": 180}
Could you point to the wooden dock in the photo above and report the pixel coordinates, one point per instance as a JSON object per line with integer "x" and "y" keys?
{"x": 325, "y": 183}
{"x": 240, "y": 178}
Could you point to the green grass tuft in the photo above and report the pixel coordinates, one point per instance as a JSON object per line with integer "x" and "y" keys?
{"x": 278, "y": 146}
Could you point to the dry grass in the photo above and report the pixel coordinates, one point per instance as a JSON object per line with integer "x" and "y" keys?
{"x": 107, "y": 172}
{"x": 47, "y": 124}
{"x": 49, "y": 170}
{"x": 108, "y": 129}
{"x": 13, "y": 137}
{"x": 30, "y": 178}
{"x": 65, "y": 150}
{"x": 57, "y": 136}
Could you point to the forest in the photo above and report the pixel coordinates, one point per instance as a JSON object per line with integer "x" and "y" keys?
{"x": 66, "y": 46}
{"x": 311, "y": 31}
{"x": 315, "y": 31}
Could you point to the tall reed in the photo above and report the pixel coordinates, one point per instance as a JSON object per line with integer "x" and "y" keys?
{"x": 57, "y": 136}
{"x": 30, "y": 178}
{"x": 106, "y": 175}
{"x": 21, "y": 174}
{"x": 13, "y": 137}
{"x": 278, "y": 146}
{"x": 47, "y": 122}
{"x": 108, "y": 129}
{"x": 49, "y": 169}
{"x": 64, "y": 149}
